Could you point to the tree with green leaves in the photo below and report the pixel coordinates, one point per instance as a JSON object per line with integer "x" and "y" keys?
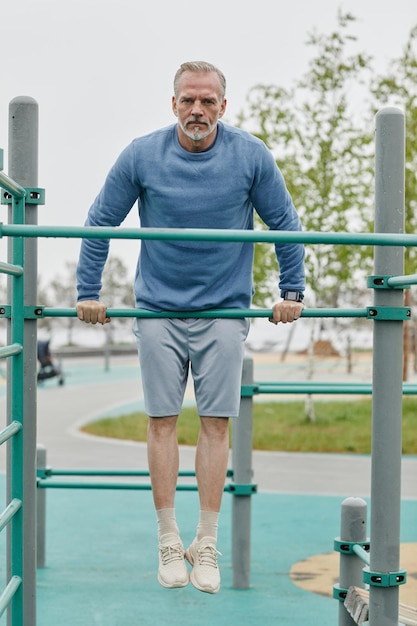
{"x": 325, "y": 152}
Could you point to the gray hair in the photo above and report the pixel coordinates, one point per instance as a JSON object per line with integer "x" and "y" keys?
{"x": 200, "y": 67}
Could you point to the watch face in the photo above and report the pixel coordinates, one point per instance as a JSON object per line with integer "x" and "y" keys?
{"x": 293, "y": 295}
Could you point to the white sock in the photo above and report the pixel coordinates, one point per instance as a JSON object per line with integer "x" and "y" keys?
{"x": 208, "y": 524}
{"x": 167, "y": 523}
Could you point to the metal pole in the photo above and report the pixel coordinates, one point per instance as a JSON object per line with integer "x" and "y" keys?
{"x": 41, "y": 511}
{"x": 387, "y": 369}
{"x": 23, "y": 168}
{"x": 352, "y": 528}
{"x": 243, "y": 474}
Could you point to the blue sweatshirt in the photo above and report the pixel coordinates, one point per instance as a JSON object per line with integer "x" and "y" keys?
{"x": 175, "y": 188}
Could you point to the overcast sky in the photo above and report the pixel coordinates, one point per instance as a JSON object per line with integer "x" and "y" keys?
{"x": 101, "y": 72}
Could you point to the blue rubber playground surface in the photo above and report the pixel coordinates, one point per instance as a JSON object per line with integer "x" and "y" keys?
{"x": 101, "y": 545}
{"x": 101, "y": 562}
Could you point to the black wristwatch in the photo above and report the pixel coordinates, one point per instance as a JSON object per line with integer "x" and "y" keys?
{"x": 296, "y": 296}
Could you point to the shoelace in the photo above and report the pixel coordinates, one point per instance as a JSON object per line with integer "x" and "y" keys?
{"x": 207, "y": 555}
{"x": 171, "y": 553}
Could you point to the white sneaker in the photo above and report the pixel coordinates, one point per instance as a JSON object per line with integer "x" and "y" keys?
{"x": 205, "y": 574}
{"x": 172, "y": 571}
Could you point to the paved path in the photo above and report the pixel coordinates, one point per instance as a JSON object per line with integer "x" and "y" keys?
{"x": 90, "y": 392}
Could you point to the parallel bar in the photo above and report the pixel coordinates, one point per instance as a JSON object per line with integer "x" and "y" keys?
{"x": 14, "y": 348}
{"x": 46, "y": 484}
{"x": 221, "y": 313}
{"x": 402, "y": 281}
{"x": 11, "y": 186}
{"x": 318, "y": 387}
{"x": 361, "y": 553}
{"x": 324, "y": 388}
{"x": 9, "y": 268}
{"x": 10, "y": 430}
{"x": 9, "y": 592}
{"x": 209, "y": 234}
{"x": 11, "y": 509}
{"x": 50, "y": 472}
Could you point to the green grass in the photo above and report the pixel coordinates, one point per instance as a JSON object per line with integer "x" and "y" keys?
{"x": 339, "y": 427}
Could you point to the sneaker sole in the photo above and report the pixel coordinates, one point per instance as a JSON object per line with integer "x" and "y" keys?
{"x": 176, "y": 585}
{"x": 200, "y": 588}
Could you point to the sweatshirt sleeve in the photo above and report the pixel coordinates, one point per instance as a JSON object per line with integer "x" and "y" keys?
{"x": 275, "y": 207}
{"x": 116, "y": 198}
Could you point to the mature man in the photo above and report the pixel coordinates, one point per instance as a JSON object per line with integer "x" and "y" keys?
{"x": 198, "y": 173}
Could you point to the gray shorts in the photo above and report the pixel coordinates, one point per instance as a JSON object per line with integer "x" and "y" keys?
{"x": 212, "y": 348}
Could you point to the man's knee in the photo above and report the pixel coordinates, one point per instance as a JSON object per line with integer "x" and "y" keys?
{"x": 162, "y": 426}
{"x": 215, "y": 426}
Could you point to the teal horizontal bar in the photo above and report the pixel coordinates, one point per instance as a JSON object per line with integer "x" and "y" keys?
{"x": 46, "y": 484}
{"x": 9, "y": 592}
{"x": 11, "y": 186}
{"x": 314, "y": 387}
{"x": 361, "y": 553}
{"x": 322, "y": 388}
{"x": 10, "y": 430}
{"x": 221, "y": 313}
{"x": 12, "y": 270}
{"x": 50, "y": 472}
{"x": 11, "y": 350}
{"x": 208, "y": 234}
{"x": 9, "y": 512}
{"x": 402, "y": 281}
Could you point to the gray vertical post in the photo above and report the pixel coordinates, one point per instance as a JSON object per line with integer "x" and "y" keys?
{"x": 243, "y": 474}
{"x": 41, "y": 511}
{"x": 387, "y": 369}
{"x": 352, "y": 528}
{"x": 23, "y": 168}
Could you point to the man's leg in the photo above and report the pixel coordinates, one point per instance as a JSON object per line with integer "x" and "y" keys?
{"x": 211, "y": 465}
{"x": 163, "y": 460}
{"x": 163, "y": 355}
{"x": 212, "y": 457}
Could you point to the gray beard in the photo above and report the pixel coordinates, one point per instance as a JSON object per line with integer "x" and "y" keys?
{"x": 197, "y": 135}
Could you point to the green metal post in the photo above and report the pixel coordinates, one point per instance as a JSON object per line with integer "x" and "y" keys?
{"x": 16, "y": 452}
{"x": 23, "y": 168}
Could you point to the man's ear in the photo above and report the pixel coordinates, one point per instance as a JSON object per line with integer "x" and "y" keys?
{"x": 174, "y": 106}
{"x": 223, "y": 108}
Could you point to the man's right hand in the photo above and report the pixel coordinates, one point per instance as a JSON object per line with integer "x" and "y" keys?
{"x": 92, "y": 312}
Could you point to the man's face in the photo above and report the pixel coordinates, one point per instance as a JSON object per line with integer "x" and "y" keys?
{"x": 198, "y": 105}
